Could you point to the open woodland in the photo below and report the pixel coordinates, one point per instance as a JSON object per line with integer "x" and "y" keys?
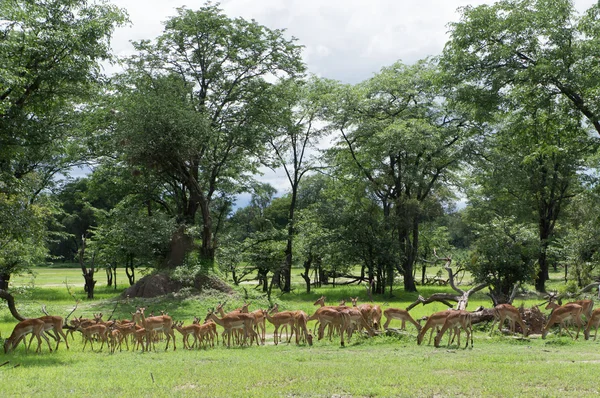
{"x": 467, "y": 179}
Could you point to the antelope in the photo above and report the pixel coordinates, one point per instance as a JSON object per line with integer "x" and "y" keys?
{"x": 55, "y": 323}
{"x": 23, "y": 328}
{"x": 401, "y": 315}
{"x": 503, "y": 312}
{"x": 193, "y": 329}
{"x": 593, "y": 321}
{"x": 162, "y": 323}
{"x": 562, "y": 314}
{"x": 436, "y": 320}
{"x": 454, "y": 320}
{"x": 279, "y": 319}
{"x": 89, "y": 332}
{"x": 586, "y": 305}
{"x": 235, "y": 321}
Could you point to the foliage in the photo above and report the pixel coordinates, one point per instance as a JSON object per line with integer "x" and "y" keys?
{"x": 191, "y": 109}
{"x": 504, "y": 254}
{"x": 512, "y": 44}
{"x": 407, "y": 142}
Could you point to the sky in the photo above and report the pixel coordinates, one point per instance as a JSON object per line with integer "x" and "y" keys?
{"x": 345, "y": 40}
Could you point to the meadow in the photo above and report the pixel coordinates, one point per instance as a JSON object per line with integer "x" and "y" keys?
{"x": 391, "y": 365}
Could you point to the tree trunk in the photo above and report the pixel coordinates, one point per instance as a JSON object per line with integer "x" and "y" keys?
{"x": 542, "y": 275}
{"x": 10, "y": 300}
{"x": 90, "y": 283}
{"x": 287, "y": 272}
{"x": 4, "y": 280}
{"x": 306, "y": 274}
{"x": 207, "y": 251}
{"x": 130, "y": 275}
{"x": 109, "y": 276}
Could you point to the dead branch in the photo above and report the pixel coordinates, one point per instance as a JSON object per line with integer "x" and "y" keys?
{"x": 444, "y": 298}
{"x": 113, "y": 311}
{"x": 462, "y": 299}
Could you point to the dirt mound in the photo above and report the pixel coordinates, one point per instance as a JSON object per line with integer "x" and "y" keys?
{"x": 160, "y": 284}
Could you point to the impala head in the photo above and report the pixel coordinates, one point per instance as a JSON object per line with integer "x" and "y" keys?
{"x": 320, "y": 301}
{"x": 196, "y": 320}
{"x": 274, "y": 309}
{"x": 309, "y": 338}
{"x": 7, "y": 346}
{"x": 342, "y": 302}
{"x": 210, "y": 312}
{"x": 245, "y": 307}
{"x": 552, "y": 305}
{"x": 354, "y": 301}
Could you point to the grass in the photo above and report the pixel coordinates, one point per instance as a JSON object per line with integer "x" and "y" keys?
{"x": 381, "y": 366}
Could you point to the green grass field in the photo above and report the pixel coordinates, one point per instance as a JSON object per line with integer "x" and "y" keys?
{"x": 499, "y": 366}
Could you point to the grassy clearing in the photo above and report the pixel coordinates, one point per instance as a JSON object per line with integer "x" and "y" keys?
{"x": 382, "y": 366}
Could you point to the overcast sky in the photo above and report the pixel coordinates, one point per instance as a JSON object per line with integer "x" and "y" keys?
{"x": 346, "y": 40}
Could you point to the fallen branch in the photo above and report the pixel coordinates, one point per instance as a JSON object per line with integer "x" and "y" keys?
{"x": 462, "y": 298}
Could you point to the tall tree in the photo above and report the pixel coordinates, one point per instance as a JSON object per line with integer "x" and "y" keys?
{"x": 50, "y": 52}
{"x": 192, "y": 109}
{"x": 297, "y": 129}
{"x": 406, "y": 142}
{"x": 532, "y": 164}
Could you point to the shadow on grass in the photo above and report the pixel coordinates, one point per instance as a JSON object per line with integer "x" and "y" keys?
{"x": 30, "y": 359}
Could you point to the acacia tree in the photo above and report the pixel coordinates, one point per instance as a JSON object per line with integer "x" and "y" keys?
{"x": 406, "y": 142}
{"x": 192, "y": 109}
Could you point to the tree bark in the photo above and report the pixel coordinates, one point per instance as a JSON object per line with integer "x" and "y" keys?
{"x": 4, "y": 280}
{"x": 10, "y": 300}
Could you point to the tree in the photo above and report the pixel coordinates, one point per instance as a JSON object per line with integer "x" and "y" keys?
{"x": 296, "y": 132}
{"x": 496, "y": 48}
{"x": 191, "y": 110}
{"x": 532, "y": 164}
{"x": 504, "y": 254}
{"x": 406, "y": 142}
{"x": 50, "y": 54}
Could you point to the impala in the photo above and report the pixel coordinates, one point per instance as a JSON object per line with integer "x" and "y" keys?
{"x": 593, "y": 322}
{"x": 367, "y": 310}
{"x": 563, "y": 314}
{"x": 186, "y": 331}
{"x": 455, "y": 320}
{"x": 586, "y": 305}
{"x": 339, "y": 319}
{"x": 231, "y": 322}
{"x": 55, "y": 323}
{"x": 502, "y": 312}
{"x": 161, "y": 323}
{"x": 279, "y": 319}
{"x": 302, "y": 332}
{"x": 401, "y": 315}
{"x": 434, "y": 321}
{"x": 89, "y": 332}
{"x": 125, "y": 330}
{"x": 23, "y": 328}
{"x": 211, "y": 330}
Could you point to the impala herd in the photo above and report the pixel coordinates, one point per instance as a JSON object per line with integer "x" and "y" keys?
{"x": 246, "y": 328}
